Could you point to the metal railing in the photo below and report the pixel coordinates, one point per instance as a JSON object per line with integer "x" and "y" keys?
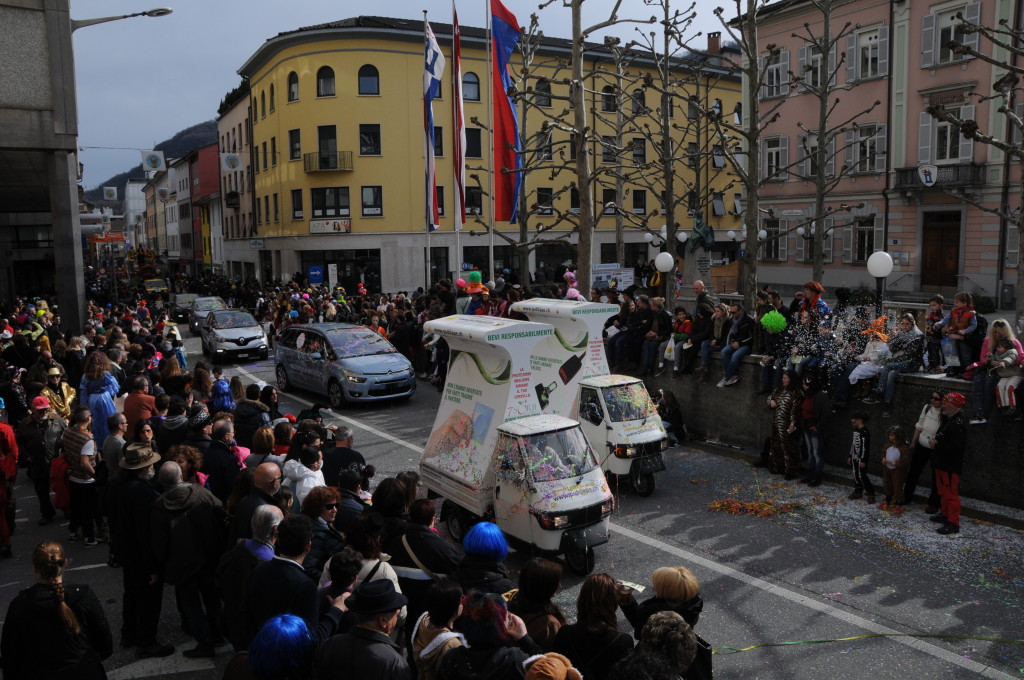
{"x": 959, "y": 175}
{"x": 327, "y": 162}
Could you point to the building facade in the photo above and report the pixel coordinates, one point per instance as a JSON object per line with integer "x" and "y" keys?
{"x": 241, "y": 259}
{"x": 338, "y": 162}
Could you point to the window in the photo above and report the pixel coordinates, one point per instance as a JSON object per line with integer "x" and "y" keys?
{"x": 293, "y": 87}
{"x": 266, "y": 208}
{"x": 440, "y": 201}
{"x": 639, "y": 202}
{"x": 264, "y": 155}
{"x": 608, "y": 201}
{"x": 277, "y": 213}
{"x": 572, "y": 146}
{"x": 608, "y": 98}
{"x": 737, "y": 204}
{"x": 813, "y": 67}
{"x": 718, "y": 203}
{"x": 607, "y": 149}
{"x": 775, "y": 158}
{"x": 256, "y": 159}
{"x": 866, "y": 148}
{"x": 949, "y": 31}
{"x": 809, "y": 153}
{"x": 692, "y": 109}
{"x": 272, "y": 98}
{"x": 369, "y": 80}
{"x": 325, "y": 82}
{"x": 947, "y": 139}
{"x": 544, "y": 198}
{"x": 471, "y": 87}
{"x": 871, "y": 55}
{"x": 474, "y": 200}
{"x": 263, "y": 104}
{"x": 574, "y": 200}
{"x": 369, "y": 139}
{"x": 774, "y": 247}
{"x": 373, "y": 201}
{"x": 863, "y": 238}
{"x": 329, "y": 202}
{"x": 294, "y": 145}
{"x": 692, "y": 154}
{"x": 438, "y": 142}
{"x": 474, "y": 148}
{"x": 545, "y": 148}
{"x": 273, "y": 151}
{"x": 639, "y": 150}
{"x": 718, "y": 156}
{"x": 941, "y": 28}
{"x": 668, "y": 103}
{"x": 543, "y": 93}
{"x": 639, "y": 102}
{"x": 775, "y": 82}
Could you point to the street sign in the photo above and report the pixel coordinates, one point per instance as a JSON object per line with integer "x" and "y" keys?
{"x": 929, "y": 174}
{"x": 315, "y": 274}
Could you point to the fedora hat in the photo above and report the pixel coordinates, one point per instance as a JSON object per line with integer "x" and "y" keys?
{"x": 138, "y": 455}
{"x": 376, "y": 597}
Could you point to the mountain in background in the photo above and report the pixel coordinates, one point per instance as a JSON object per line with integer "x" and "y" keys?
{"x": 189, "y": 139}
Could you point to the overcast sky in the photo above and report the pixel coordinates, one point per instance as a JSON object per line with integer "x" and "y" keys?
{"x": 142, "y": 80}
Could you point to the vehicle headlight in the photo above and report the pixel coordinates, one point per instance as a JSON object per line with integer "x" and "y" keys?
{"x": 356, "y": 379}
{"x": 623, "y": 451}
{"x": 664, "y": 444}
{"x": 549, "y": 521}
{"x": 607, "y": 507}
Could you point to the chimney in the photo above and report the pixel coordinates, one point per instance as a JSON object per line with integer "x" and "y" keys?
{"x": 715, "y": 42}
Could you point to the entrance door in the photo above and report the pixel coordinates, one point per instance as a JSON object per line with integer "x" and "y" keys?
{"x": 940, "y": 252}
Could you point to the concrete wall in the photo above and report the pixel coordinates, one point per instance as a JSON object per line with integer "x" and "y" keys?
{"x": 993, "y": 464}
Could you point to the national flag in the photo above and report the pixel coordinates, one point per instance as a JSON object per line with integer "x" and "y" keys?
{"x": 505, "y": 34}
{"x": 153, "y": 161}
{"x": 433, "y": 69}
{"x": 109, "y": 193}
{"x": 458, "y": 117}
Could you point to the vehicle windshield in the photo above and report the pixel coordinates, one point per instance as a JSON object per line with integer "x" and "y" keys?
{"x": 210, "y": 305}
{"x": 184, "y": 300}
{"x": 155, "y": 284}
{"x": 628, "y": 402}
{"x": 234, "y": 320}
{"x": 558, "y": 455}
{"x": 358, "y": 342}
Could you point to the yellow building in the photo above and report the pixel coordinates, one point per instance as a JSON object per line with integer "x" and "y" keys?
{"x": 338, "y": 160}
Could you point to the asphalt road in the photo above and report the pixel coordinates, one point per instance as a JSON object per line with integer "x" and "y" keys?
{"x": 821, "y": 569}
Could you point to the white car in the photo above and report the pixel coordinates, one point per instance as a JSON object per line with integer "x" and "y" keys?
{"x": 233, "y": 333}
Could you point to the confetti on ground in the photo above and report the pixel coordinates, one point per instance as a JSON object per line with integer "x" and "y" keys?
{"x": 701, "y": 482}
{"x": 999, "y": 572}
{"x": 902, "y": 548}
{"x": 761, "y": 508}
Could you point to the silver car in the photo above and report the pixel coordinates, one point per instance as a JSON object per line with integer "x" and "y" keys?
{"x": 232, "y": 333}
{"x": 201, "y": 306}
{"x": 347, "y": 363}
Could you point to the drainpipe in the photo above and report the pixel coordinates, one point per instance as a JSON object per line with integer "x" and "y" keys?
{"x": 888, "y": 127}
{"x": 1004, "y": 197}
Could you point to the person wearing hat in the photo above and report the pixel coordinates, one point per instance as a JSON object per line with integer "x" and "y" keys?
{"x": 40, "y": 370}
{"x": 366, "y": 651}
{"x": 58, "y": 392}
{"x": 200, "y": 427}
{"x": 38, "y": 436}
{"x": 949, "y": 442}
{"x": 131, "y": 496}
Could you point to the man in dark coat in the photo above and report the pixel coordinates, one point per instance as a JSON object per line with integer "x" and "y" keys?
{"x": 174, "y": 428}
{"x": 131, "y": 497}
{"x": 250, "y": 415}
{"x": 38, "y": 437}
{"x": 219, "y": 462}
{"x": 187, "y": 539}
{"x": 350, "y": 504}
{"x": 281, "y": 586}
{"x": 948, "y": 461}
{"x": 367, "y": 652}
{"x": 340, "y": 456}
{"x": 266, "y": 481}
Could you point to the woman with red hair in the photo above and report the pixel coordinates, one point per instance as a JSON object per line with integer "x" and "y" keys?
{"x": 812, "y": 301}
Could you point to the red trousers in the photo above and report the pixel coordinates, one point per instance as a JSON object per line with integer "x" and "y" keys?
{"x": 948, "y": 484}
{"x": 5, "y": 531}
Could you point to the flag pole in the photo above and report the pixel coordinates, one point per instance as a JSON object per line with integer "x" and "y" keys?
{"x": 490, "y": 120}
{"x": 458, "y": 143}
{"x": 426, "y": 173}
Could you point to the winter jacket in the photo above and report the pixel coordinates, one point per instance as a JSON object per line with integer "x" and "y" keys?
{"x": 362, "y": 653}
{"x": 430, "y": 645}
{"x": 15, "y": 400}
{"x": 131, "y": 504}
{"x": 38, "y": 443}
{"x": 744, "y": 333}
{"x": 638, "y": 613}
{"x": 907, "y": 347}
{"x": 326, "y": 542}
{"x": 250, "y": 416}
{"x": 186, "y": 531}
{"x": 503, "y": 663}
{"x": 350, "y": 506}
{"x": 221, "y": 466}
{"x": 484, "y": 574}
{"x": 172, "y": 432}
{"x": 301, "y": 479}
{"x": 950, "y": 442}
{"x": 592, "y": 652}
{"x": 37, "y": 646}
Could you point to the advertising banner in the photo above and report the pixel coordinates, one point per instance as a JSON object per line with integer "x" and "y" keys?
{"x": 330, "y": 226}
{"x": 605, "y": 276}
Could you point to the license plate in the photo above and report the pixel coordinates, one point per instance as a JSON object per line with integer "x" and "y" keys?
{"x": 243, "y": 355}
{"x": 652, "y": 464}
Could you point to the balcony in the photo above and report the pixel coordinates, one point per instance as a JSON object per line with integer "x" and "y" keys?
{"x": 339, "y": 161}
{"x": 232, "y": 200}
{"x": 950, "y": 177}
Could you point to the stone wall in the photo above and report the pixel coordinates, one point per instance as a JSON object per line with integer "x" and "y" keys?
{"x": 993, "y": 465}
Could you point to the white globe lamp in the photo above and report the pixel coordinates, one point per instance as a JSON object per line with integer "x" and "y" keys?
{"x": 682, "y": 236}
{"x": 664, "y": 262}
{"x": 879, "y": 266}
{"x": 648, "y": 237}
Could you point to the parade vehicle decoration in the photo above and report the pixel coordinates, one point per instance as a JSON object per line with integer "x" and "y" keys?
{"x": 346, "y": 362}
{"x": 493, "y": 454}
{"x": 616, "y": 412}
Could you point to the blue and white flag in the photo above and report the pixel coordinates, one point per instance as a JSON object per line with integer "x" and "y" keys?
{"x": 433, "y": 69}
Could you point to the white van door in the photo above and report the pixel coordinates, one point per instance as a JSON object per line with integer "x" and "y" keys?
{"x": 511, "y": 488}
{"x": 592, "y": 421}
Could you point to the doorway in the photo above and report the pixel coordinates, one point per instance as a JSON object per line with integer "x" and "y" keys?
{"x": 940, "y": 251}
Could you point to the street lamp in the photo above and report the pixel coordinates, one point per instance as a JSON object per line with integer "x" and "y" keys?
{"x": 156, "y": 12}
{"x": 664, "y": 262}
{"x": 879, "y": 266}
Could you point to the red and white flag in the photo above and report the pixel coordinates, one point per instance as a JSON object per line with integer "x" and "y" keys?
{"x": 458, "y": 116}
{"x": 433, "y": 69}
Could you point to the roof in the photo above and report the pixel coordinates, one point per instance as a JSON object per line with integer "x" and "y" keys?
{"x": 412, "y": 30}
{"x": 534, "y": 424}
{"x": 324, "y": 327}
{"x": 602, "y": 381}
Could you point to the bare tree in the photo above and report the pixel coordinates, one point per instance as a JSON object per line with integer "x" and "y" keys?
{"x": 1008, "y": 99}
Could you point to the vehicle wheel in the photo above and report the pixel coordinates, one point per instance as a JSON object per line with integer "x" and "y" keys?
{"x": 335, "y": 394}
{"x": 282, "y": 379}
{"x": 581, "y": 561}
{"x": 643, "y": 483}
{"x": 456, "y": 520}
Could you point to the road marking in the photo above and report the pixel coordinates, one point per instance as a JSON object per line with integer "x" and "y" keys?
{"x": 87, "y": 566}
{"x": 348, "y": 421}
{"x": 771, "y": 588}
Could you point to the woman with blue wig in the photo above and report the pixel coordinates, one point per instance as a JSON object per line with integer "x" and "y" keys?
{"x": 483, "y": 564}
{"x": 282, "y": 650}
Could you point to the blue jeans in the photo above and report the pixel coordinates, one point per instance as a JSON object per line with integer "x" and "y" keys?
{"x": 649, "y": 358}
{"x": 815, "y": 462}
{"x": 617, "y": 346}
{"x": 705, "y": 352}
{"x": 732, "y": 358}
{"x": 984, "y": 385}
{"x": 887, "y": 380}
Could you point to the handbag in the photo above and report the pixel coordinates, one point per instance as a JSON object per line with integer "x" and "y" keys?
{"x": 701, "y": 669}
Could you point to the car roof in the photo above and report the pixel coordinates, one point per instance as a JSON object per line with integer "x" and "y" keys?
{"x": 324, "y": 327}
{"x": 209, "y": 297}
{"x": 222, "y": 312}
